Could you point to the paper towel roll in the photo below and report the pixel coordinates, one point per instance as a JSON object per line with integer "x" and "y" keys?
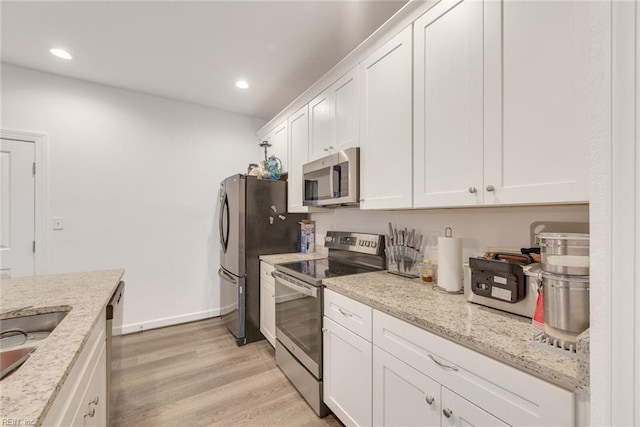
{"x": 450, "y": 263}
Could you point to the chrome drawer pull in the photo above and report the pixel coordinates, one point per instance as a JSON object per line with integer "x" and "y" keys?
{"x": 90, "y": 414}
{"x": 344, "y": 313}
{"x": 444, "y": 365}
{"x": 429, "y": 400}
{"x": 447, "y": 413}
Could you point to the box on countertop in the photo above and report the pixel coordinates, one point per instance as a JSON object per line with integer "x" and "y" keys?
{"x": 307, "y": 236}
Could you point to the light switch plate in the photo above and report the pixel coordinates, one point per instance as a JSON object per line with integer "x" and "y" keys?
{"x": 58, "y": 223}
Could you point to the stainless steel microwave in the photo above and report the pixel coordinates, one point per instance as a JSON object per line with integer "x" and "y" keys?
{"x": 333, "y": 180}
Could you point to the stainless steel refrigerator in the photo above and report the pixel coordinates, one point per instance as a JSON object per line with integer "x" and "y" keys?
{"x": 253, "y": 222}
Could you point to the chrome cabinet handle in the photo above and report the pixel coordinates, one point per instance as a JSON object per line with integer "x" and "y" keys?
{"x": 90, "y": 414}
{"x": 472, "y": 190}
{"x": 94, "y": 401}
{"x": 444, "y": 365}
{"x": 429, "y": 399}
{"x": 324, "y": 330}
{"x": 326, "y": 149}
{"x": 344, "y": 313}
{"x": 491, "y": 188}
{"x": 447, "y": 413}
{"x": 331, "y": 147}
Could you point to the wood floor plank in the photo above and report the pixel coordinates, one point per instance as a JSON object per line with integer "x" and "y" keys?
{"x": 194, "y": 374}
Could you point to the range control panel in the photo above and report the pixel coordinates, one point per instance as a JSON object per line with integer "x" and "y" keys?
{"x": 355, "y": 242}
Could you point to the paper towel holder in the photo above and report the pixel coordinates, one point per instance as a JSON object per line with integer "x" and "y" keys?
{"x": 448, "y": 232}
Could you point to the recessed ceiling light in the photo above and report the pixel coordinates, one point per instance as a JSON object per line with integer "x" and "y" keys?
{"x": 242, "y": 84}
{"x": 60, "y": 53}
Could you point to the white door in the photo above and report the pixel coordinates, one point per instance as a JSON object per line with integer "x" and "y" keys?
{"x": 459, "y": 412}
{"x": 537, "y": 79}
{"x": 347, "y": 374}
{"x": 403, "y": 396}
{"x": 346, "y": 113}
{"x": 298, "y": 156}
{"x": 17, "y": 235}
{"x": 386, "y": 177}
{"x": 448, "y": 105}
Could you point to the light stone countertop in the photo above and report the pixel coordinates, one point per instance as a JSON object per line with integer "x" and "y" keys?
{"x": 499, "y": 335}
{"x": 27, "y": 394}
{"x": 290, "y": 257}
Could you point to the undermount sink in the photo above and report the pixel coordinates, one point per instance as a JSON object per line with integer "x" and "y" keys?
{"x": 28, "y": 330}
{"x": 10, "y": 360}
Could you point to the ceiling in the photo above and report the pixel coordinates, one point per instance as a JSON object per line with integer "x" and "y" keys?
{"x": 193, "y": 51}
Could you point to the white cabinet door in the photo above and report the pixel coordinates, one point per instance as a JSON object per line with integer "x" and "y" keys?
{"x": 267, "y": 308}
{"x": 298, "y": 155}
{"x": 347, "y": 374}
{"x": 448, "y": 71}
{"x": 459, "y": 412}
{"x": 346, "y": 113}
{"x": 402, "y": 396}
{"x": 92, "y": 411}
{"x": 536, "y": 101}
{"x": 386, "y": 177}
{"x": 279, "y": 142}
{"x": 320, "y": 125}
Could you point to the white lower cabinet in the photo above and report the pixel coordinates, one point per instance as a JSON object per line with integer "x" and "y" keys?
{"x": 347, "y": 358}
{"x": 459, "y": 412}
{"x": 347, "y": 374}
{"x": 402, "y": 396}
{"x": 93, "y": 409}
{"x": 418, "y": 378}
{"x": 82, "y": 400}
{"x": 267, "y": 303}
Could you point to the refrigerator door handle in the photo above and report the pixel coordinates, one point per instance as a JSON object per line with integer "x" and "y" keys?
{"x": 227, "y": 276}
{"x": 224, "y": 235}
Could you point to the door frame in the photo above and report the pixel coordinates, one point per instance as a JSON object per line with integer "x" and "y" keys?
{"x": 41, "y": 192}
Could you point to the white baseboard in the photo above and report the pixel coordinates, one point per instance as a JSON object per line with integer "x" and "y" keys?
{"x": 166, "y": 321}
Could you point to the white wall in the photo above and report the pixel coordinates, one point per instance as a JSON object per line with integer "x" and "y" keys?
{"x": 479, "y": 227}
{"x": 136, "y": 179}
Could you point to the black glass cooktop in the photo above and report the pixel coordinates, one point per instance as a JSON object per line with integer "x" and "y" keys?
{"x": 314, "y": 271}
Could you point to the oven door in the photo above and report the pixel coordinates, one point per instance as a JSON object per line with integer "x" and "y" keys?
{"x": 299, "y": 320}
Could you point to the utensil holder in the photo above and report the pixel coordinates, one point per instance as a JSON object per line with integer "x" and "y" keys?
{"x": 404, "y": 261}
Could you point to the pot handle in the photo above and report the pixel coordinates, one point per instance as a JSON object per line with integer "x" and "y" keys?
{"x": 526, "y": 257}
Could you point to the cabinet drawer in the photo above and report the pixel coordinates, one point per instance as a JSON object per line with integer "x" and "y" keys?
{"x": 513, "y": 396}
{"x": 265, "y": 272}
{"x": 351, "y": 314}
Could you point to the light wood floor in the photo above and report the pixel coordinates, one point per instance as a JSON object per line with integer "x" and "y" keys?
{"x": 195, "y": 375}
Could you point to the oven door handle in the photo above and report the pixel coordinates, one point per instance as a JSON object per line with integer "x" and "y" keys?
{"x": 295, "y": 285}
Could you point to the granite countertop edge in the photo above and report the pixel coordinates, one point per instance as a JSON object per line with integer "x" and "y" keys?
{"x": 549, "y": 372}
{"x": 274, "y": 259}
{"x": 28, "y": 394}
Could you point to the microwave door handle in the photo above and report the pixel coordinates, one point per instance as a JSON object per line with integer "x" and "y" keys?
{"x": 337, "y": 180}
{"x": 307, "y": 290}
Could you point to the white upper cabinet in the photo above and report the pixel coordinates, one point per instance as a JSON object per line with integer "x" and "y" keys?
{"x": 345, "y": 103}
{"x": 536, "y": 139}
{"x": 333, "y": 117}
{"x": 385, "y": 125}
{"x": 501, "y": 103}
{"x": 278, "y": 139}
{"x": 447, "y": 156}
{"x": 298, "y": 156}
{"x": 320, "y": 125}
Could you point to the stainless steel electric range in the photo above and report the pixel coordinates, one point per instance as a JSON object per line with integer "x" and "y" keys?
{"x": 299, "y": 306}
